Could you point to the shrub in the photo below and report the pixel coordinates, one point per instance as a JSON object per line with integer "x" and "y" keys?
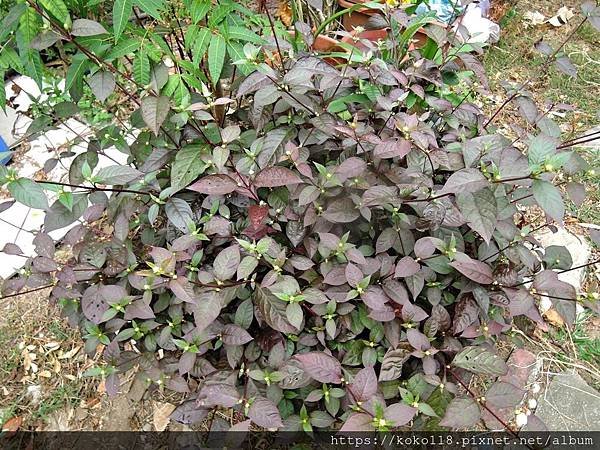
{"x": 312, "y": 246}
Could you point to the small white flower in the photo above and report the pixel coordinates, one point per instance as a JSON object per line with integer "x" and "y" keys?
{"x": 532, "y": 403}
{"x": 521, "y": 419}
{"x": 535, "y": 388}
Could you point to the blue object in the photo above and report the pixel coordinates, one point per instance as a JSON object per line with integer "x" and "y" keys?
{"x": 445, "y": 10}
{"x": 5, "y": 155}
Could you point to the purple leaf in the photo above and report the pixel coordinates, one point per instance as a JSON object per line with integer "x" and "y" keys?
{"x": 321, "y": 366}
{"x": 214, "y": 185}
{"x": 399, "y": 413}
{"x": 406, "y": 267}
{"x": 264, "y": 413}
{"x": 275, "y": 176}
{"x": 364, "y": 385}
{"x": 462, "y": 412}
{"x": 417, "y": 339}
{"x": 473, "y": 269}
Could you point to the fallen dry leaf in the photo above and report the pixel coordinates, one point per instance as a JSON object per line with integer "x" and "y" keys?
{"x": 12, "y": 425}
{"x": 554, "y": 318}
{"x": 162, "y": 411}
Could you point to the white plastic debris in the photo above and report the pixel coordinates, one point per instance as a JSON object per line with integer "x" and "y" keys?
{"x": 480, "y": 28}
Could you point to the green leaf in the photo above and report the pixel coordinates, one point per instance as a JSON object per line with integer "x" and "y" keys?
{"x": 480, "y": 360}
{"x": 2, "y": 93}
{"x": 59, "y": 216}
{"x": 243, "y": 34}
{"x": 66, "y": 198}
{"x": 58, "y": 9}
{"x": 540, "y": 148}
{"x": 29, "y": 193}
{"x": 102, "y": 84}
{"x": 34, "y": 67}
{"x": 198, "y": 9}
{"x": 151, "y": 7}
{"x": 154, "y": 111}
{"x": 548, "y": 197}
{"x": 216, "y": 57}
{"x": 123, "y": 48}
{"x": 187, "y": 166}
{"x": 29, "y": 25}
{"x": 78, "y": 67}
{"x": 200, "y": 45}
{"x": 141, "y": 68}
{"x": 121, "y": 12}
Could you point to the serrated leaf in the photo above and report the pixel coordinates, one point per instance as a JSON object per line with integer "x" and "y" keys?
{"x": 102, "y": 84}
{"x": 549, "y": 198}
{"x": 152, "y": 7}
{"x": 86, "y": 27}
{"x": 216, "y": 57}
{"x": 322, "y": 367}
{"x": 79, "y": 64}
{"x": 141, "y": 68}
{"x": 58, "y": 9}
{"x": 480, "y": 360}
{"x": 121, "y": 12}
{"x": 154, "y": 111}
{"x": 201, "y": 45}
{"x": 29, "y": 193}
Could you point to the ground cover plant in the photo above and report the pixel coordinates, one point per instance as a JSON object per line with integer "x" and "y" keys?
{"x": 316, "y": 241}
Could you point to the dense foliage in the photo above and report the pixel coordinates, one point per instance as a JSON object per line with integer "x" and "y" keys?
{"x": 309, "y": 242}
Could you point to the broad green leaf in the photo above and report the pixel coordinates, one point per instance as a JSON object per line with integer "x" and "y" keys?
{"x": 58, "y": 9}
{"x": 29, "y": 25}
{"x": 10, "y": 21}
{"x": 34, "y": 67}
{"x": 29, "y": 193}
{"x": 480, "y": 360}
{"x": 199, "y": 9}
{"x": 121, "y": 12}
{"x": 123, "y": 48}
{"x": 200, "y": 45}
{"x": 154, "y": 111}
{"x": 58, "y": 216}
{"x": 79, "y": 65}
{"x": 66, "y": 198}
{"x": 187, "y": 166}
{"x": 541, "y": 147}
{"x": 152, "y": 7}
{"x": 216, "y": 57}
{"x": 141, "y": 68}
{"x": 102, "y": 84}
{"x": 548, "y": 197}
{"x": 243, "y": 34}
